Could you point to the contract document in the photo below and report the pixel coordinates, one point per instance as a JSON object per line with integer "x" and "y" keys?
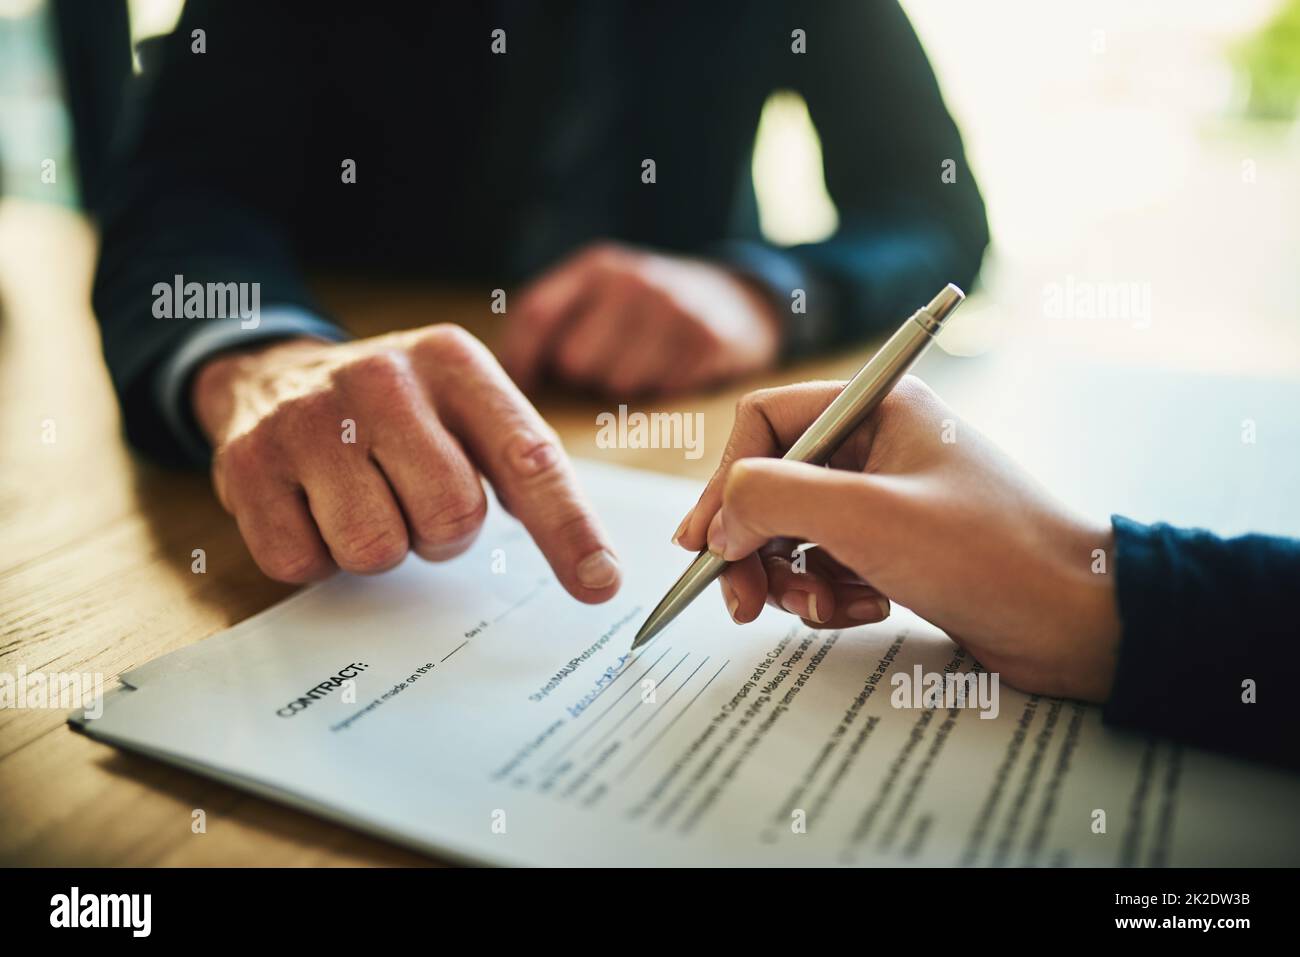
{"x": 475, "y": 711}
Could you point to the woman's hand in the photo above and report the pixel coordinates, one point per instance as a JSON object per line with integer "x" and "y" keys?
{"x": 919, "y": 508}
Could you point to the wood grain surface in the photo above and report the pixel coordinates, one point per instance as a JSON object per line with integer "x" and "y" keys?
{"x": 95, "y": 564}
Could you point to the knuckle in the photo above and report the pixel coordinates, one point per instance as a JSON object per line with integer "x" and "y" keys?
{"x": 749, "y": 401}
{"x": 763, "y": 398}
{"x": 605, "y": 254}
{"x": 300, "y": 415}
{"x": 533, "y": 456}
{"x": 751, "y": 404}
{"x": 295, "y": 566}
{"x": 573, "y": 528}
{"x": 370, "y": 549}
{"x": 634, "y": 285}
{"x": 742, "y": 479}
{"x": 384, "y": 372}
{"x": 297, "y": 426}
{"x": 449, "y": 519}
{"x": 242, "y": 459}
{"x": 451, "y": 346}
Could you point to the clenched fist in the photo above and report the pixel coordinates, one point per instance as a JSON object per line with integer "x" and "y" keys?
{"x": 627, "y": 321}
{"x": 348, "y": 455}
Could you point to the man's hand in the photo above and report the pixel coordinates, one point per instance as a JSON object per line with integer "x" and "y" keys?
{"x": 632, "y": 322}
{"x": 919, "y": 507}
{"x": 427, "y": 412}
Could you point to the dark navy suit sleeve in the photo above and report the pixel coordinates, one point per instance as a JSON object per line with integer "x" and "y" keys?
{"x": 228, "y": 150}
{"x": 910, "y": 214}
{"x": 1208, "y": 627}
{"x": 207, "y": 176}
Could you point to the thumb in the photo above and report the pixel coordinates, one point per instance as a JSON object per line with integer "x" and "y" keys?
{"x": 772, "y": 498}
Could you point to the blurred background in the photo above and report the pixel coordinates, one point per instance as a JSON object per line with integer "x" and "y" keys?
{"x": 1131, "y": 149}
{"x": 1140, "y": 162}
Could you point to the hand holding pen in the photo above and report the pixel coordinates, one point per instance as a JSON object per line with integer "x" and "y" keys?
{"x": 917, "y": 507}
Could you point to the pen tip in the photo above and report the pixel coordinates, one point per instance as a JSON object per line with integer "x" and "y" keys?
{"x": 648, "y": 631}
{"x": 949, "y": 298}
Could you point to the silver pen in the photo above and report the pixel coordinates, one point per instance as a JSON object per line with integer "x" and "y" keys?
{"x": 828, "y": 431}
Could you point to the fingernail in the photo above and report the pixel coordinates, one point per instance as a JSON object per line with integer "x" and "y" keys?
{"x": 729, "y": 596}
{"x": 812, "y": 608}
{"x": 681, "y": 529}
{"x": 717, "y": 536}
{"x": 868, "y": 609}
{"x": 796, "y": 603}
{"x": 598, "y": 570}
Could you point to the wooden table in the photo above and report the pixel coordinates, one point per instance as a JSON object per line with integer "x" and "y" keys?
{"x": 95, "y": 556}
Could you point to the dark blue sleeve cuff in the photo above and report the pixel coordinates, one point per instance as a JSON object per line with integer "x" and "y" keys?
{"x": 806, "y": 305}
{"x": 1208, "y": 626}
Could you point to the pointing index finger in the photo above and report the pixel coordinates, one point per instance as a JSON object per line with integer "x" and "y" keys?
{"x": 523, "y": 460}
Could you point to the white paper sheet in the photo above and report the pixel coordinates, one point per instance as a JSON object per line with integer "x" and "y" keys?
{"x": 530, "y": 736}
